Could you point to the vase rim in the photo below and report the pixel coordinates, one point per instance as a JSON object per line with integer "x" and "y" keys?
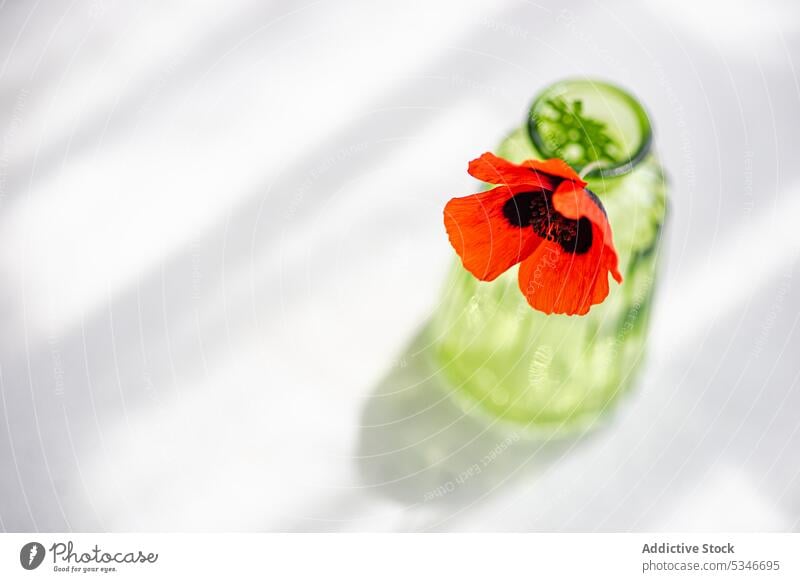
{"x": 606, "y": 91}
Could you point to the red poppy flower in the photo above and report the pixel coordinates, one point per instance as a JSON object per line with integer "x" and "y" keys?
{"x": 540, "y": 214}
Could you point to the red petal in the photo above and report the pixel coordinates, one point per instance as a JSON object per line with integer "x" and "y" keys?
{"x": 482, "y": 236}
{"x": 494, "y": 170}
{"x": 555, "y": 167}
{"x": 574, "y": 202}
{"x": 556, "y": 281}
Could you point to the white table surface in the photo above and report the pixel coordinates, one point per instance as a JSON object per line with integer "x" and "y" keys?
{"x": 220, "y": 232}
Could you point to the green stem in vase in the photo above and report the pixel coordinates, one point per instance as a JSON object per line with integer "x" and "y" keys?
{"x": 574, "y": 137}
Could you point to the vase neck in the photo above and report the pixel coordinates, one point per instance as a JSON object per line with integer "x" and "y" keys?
{"x": 597, "y": 128}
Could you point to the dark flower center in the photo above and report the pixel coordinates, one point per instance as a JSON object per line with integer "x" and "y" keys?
{"x": 535, "y": 209}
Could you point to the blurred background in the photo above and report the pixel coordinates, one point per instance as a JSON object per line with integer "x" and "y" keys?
{"x": 221, "y": 232}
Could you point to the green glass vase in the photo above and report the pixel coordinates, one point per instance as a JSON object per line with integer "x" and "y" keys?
{"x": 556, "y": 373}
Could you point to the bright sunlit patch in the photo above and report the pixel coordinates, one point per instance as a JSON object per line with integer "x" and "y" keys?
{"x": 742, "y": 27}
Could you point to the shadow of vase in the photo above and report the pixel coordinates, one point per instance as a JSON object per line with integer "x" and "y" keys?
{"x": 418, "y": 446}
